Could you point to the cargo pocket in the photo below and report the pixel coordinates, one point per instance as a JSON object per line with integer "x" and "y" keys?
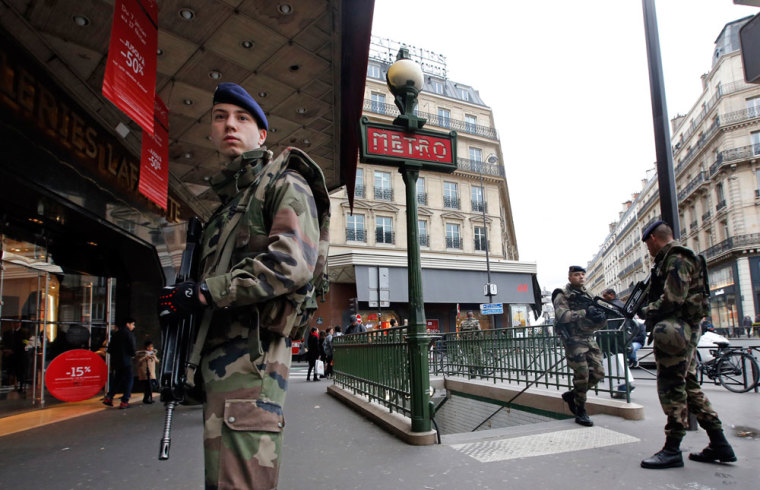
{"x": 253, "y": 416}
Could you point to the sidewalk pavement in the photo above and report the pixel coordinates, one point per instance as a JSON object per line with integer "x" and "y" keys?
{"x": 329, "y": 446}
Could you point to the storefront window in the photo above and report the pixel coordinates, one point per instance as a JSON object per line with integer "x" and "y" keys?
{"x": 44, "y": 312}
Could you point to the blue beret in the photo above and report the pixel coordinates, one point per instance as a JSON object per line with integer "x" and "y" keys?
{"x": 576, "y": 268}
{"x": 650, "y": 229}
{"x": 232, "y": 93}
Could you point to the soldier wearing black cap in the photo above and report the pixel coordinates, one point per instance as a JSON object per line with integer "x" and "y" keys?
{"x": 260, "y": 251}
{"x": 678, "y": 296}
{"x": 578, "y": 325}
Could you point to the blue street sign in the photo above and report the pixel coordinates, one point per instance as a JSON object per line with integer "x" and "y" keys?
{"x": 492, "y": 309}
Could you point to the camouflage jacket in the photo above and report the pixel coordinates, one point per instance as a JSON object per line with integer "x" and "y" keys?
{"x": 568, "y": 313}
{"x": 678, "y": 286}
{"x": 280, "y": 242}
{"x": 469, "y": 325}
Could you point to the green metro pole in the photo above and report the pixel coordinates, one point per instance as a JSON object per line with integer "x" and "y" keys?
{"x": 406, "y": 145}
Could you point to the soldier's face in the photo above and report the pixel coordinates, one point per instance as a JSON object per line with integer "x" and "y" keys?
{"x": 234, "y": 130}
{"x": 653, "y": 245}
{"x": 577, "y": 278}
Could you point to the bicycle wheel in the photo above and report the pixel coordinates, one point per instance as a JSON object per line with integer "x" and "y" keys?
{"x": 738, "y": 372}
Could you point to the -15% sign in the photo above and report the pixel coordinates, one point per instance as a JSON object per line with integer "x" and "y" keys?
{"x": 76, "y": 375}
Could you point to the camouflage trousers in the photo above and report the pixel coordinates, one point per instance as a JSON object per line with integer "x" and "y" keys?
{"x": 245, "y": 381}
{"x": 675, "y": 343}
{"x": 585, "y": 359}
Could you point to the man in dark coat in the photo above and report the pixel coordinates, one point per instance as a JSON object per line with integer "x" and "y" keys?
{"x": 313, "y": 353}
{"x": 122, "y": 350}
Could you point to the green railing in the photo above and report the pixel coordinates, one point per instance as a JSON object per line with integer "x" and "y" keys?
{"x": 375, "y": 365}
{"x": 526, "y": 356}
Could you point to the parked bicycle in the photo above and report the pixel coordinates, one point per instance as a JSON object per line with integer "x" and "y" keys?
{"x": 731, "y": 367}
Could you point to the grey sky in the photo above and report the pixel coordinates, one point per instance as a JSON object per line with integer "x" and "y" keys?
{"x": 569, "y": 87}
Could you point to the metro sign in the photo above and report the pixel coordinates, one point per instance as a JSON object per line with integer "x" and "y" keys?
{"x": 390, "y": 145}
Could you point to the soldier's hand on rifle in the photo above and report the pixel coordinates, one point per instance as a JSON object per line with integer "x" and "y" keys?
{"x": 595, "y": 314}
{"x": 180, "y": 299}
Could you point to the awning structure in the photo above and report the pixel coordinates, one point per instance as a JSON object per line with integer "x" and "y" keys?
{"x": 453, "y": 286}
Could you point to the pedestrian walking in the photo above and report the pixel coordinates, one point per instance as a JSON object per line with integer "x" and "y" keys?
{"x": 122, "y": 350}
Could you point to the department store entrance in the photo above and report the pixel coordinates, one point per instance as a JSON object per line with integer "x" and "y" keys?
{"x": 45, "y": 311}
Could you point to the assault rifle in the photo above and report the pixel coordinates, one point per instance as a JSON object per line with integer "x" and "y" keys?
{"x": 177, "y": 338}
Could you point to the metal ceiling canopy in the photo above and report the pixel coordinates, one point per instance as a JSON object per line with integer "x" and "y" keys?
{"x": 304, "y": 61}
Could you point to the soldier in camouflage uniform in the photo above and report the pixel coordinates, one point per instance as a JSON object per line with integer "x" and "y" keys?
{"x": 257, "y": 269}
{"x": 576, "y": 326}
{"x": 677, "y": 296}
{"x": 470, "y": 324}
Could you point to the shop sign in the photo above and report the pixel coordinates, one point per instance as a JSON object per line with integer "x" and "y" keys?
{"x": 130, "y": 78}
{"x": 154, "y": 163}
{"x": 76, "y": 375}
{"x": 36, "y": 105}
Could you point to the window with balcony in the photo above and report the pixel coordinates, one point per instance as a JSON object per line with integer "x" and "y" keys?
{"x": 478, "y": 203}
{"x": 755, "y": 142}
{"x": 470, "y": 123}
{"x": 422, "y": 231}
{"x": 444, "y": 117}
{"x": 378, "y": 103}
{"x": 720, "y": 197}
{"x": 373, "y": 71}
{"x": 476, "y": 154}
{"x": 421, "y": 194}
{"x": 384, "y": 229}
{"x": 450, "y": 195}
{"x": 753, "y": 107}
{"x": 480, "y": 239}
{"x": 355, "y": 231}
{"x": 383, "y": 191}
{"x": 453, "y": 237}
{"x": 359, "y": 190}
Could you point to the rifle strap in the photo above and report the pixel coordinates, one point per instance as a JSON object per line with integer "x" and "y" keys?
{"x": 221, "y": 259}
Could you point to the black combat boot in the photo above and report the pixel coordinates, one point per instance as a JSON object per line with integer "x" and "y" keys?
{"x": 668, "y": 457}
{"x": 581, "y": 417}
{"x": 569, "y": 398}
{"x": 719, "y": 450}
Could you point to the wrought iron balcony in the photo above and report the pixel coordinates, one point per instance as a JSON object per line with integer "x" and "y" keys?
{"x": 721, "y": 205}
{"x": 654, "y": 197}
{"x": 478, "y": 167}
{"x": 356, "y": 235}
{"x": 454, "y": 242}
{"x": 698, "y": 145}
{"x": 734, "y": 154}
{"x": 750, "y": 240}
{"x": 740, "y": 116}
{"x": 451, "y": 202}
{"x": 383, "y": 194}
{"x": 422, "y": 198}
{"x": 360, "y": 191}
{"x": 479, "y": 206}
{"x": 385, "y": 237}
{"x": 706, "y": 216}
{"x": 424, "y": 240}
{"x": 691, "y": 186}
{"x": 433, "y": 119}
{"x": 632, "y": 267}
{"x": 693, "y": 225}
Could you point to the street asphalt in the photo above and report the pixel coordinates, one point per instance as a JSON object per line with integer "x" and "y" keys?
{"x": 328, "y": 446}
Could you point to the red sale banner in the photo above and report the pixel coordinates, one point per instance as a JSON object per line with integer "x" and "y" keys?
{"x": 154, "y": 162}
{"x": 130, "y": 79}
{"x": 76, "y": 375}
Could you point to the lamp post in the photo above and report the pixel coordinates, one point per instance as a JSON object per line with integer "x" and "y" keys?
{"x": 485, "y": 239}
{"x": 405, "y": 80}
{"x": 404, "y": 144}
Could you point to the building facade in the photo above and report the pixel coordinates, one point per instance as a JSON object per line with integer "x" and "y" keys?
{"x": 715, "y": 147}
{"x": 460, "y": 215}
